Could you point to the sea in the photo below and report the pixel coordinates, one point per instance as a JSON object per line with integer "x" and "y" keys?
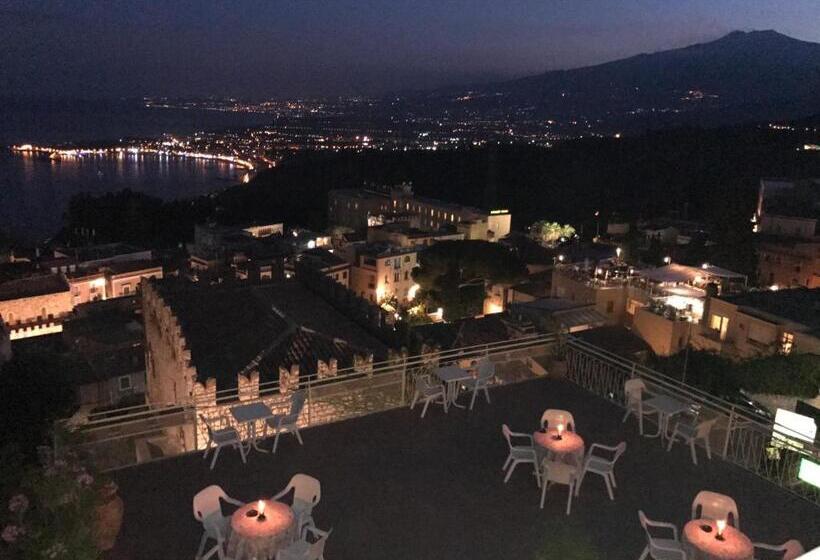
{"x": 35, "y": 190}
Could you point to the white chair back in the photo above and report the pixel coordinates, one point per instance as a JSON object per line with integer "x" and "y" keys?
{"x": 647, "y": 524}
{"x": 486, "y": 369}
{"x": 714, "y": 506}
{"x": 619, "y": 450}
{"x": 206, "y": 502}
{"x": 306, "y": 489}
{"x": 633, "y": 389}
{"x": 554, "y": 416}
{"x": 507, "y": 435}
{"x": 297, "y": 403}
{"x": 703, "y": 429}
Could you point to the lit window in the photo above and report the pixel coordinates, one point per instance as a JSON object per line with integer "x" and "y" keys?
{"x": 786, "y": 343}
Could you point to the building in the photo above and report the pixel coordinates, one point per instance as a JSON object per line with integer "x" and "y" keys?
{"x": 113, "y": 280}
{"x": 660, "y": 305}
{"x": 72, "y": 259}
{"x": 254, "y": 253}
{"x": 207, "y": 340}
{"x": 381, "y": 273}
{"x": 762, "y": 322}
{"x": 400, "y": 234}
{"x": 35, "y": 305}
{"x": 789, "y": 262}
{"x": 370, "y": 206}
{"x": 324, "y": 260}
{"x": 109, "y": 341}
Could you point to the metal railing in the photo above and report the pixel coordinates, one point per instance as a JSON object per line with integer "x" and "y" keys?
{"x": 739, "y": 436}
{"x": 133, "y": 435}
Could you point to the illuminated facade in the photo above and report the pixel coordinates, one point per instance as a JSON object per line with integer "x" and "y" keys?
{"x": 380, "y": 274}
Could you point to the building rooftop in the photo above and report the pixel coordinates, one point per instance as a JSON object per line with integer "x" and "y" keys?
{"x": 228, "y": 328}
{"x": 98, "y": 252}
{"x": 798, "y": 305}
{"x": 401, "y": 487}
{"x": 323, "y": 257}
{"x": 33, "y": 286}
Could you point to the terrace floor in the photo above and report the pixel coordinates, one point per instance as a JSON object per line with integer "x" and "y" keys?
{"x": 397, "y": 486}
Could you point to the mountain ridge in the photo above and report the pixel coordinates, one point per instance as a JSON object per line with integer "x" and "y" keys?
{"x": 742, "y": 76}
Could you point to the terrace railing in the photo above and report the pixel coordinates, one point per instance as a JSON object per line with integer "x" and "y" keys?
{"x": 125, "y": 437}
{"x": 740, "y": 436}
{"x": 128, "y": 436}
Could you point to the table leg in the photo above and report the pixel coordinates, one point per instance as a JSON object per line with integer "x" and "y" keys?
{"x": 661, "y": 427}
{"x": 454, "y": 385}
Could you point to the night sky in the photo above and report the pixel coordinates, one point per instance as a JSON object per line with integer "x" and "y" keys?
{"x": 112, "y": 48}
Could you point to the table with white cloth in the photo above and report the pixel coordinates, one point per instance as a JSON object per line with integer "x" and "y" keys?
{"x": 453, "y": 377}
{"x": 666, "y": 407}
{"x": 699, "y": 537}
{"x": 249, "y": 414}
{"x": 255, "y": 539}
{"x": 570, "y": 446}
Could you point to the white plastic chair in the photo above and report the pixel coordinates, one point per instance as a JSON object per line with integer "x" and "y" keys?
{"x": 659, "y": 548}
{"x": 559, "y": 473}
{"x": 602, "y": 465}
{"x": 485, "y": 374}
{"x": 519, "y": 453}
{"x": 222, "y": 437}
{"x": 307, "y": 491}
{"x": 714, "y": 506}
{"x": 790, "y": 549}
{"x": 310, "y": 547}
{"x": 288, "y": 423}
{"x": 430, "y": 392}
{"x": 208, "y": 511}
{"x": 634, "y": 390}
{"x": 554, "y": 416}
{"x": 690, "y": 433}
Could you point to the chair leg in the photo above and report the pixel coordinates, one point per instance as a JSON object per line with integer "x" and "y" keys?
{"x": 298, "y": 435}
{"x": 708, "y": 449}
{"x": 510, "y": 471}
{"x": 415, "y": 398}
{"x": 612, "y": 479}
{"x": 201, "y": 548}
{"x": 671, "y": 441}
{"x": 694, "y": 453}
{"x": 207, "y": 450}
{"x": 507, "y": 463}
{"x": 472, "y": 400}
{"x": 216, "y": 454}
{"x": 544, "y": 486}
{"x": 242, "y": 452}
{"x": 276, "y": 441}
{"x": 628, "y": 412}
{"x": 609, "y": 488}
{"x": 644, "y": 554}
{"x": 487, "y": 395}
{"x": 569, "y": 499}
{"x": 640, "y": 425}
{"x": 424, "y": 410}
{"x": 580, "y": 480}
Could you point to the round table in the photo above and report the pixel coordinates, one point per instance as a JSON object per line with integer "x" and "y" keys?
{"x": 251, "y": 538}
{"x": 704, "y": 546}
{"x": 570, "y": 444}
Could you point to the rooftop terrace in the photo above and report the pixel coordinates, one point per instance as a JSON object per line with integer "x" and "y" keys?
{"x": 398, "y": 486}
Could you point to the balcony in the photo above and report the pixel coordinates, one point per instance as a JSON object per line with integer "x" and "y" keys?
{"x": 398, "y": 486}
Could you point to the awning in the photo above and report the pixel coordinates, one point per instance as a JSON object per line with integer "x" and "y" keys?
{"x": 580, "y": 319}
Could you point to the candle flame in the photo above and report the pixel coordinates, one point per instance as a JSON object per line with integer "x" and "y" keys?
{"x": 721, "y": 525}
{"x": 260, "y": 507}
{"x": 560, "y": 428}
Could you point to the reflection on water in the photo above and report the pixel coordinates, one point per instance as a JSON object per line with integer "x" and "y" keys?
{"x": 35, "y": 190}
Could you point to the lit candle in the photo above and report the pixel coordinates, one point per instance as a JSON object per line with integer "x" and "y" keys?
{"x": 560, "y": 429}
{"x": 721, "y": 525}
{"x": 260, "y": 507}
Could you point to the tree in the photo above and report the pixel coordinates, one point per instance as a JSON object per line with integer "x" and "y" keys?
{"x": 551, "y": 233}
{"x": 453, "y": 275}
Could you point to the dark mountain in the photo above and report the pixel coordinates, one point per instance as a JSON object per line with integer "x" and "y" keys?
{"x": 757, "y": 75}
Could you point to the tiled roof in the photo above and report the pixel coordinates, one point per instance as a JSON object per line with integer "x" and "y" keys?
{"x": 33, "y": 286}
{"x": 228, "y": 328}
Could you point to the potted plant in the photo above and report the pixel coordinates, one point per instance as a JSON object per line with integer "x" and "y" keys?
{"x": 61, "y": 510}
